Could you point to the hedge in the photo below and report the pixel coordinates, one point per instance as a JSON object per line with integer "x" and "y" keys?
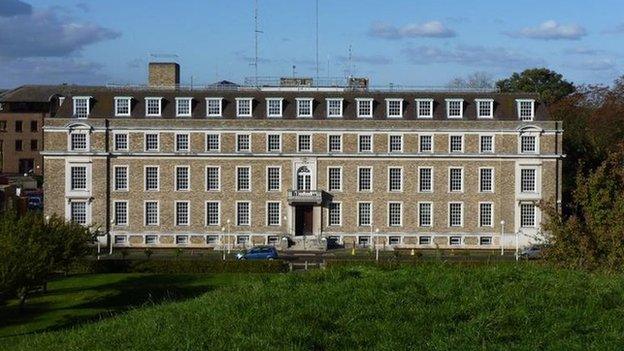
{"x": 173, "y": 266}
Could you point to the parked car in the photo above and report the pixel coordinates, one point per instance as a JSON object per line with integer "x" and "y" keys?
{"x": 532, "y": 252}
{"x": 35, "y": 203}
{"x": 259, "y": 253}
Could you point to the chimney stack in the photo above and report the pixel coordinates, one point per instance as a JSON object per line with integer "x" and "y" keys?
{"x": 164, "y": 74}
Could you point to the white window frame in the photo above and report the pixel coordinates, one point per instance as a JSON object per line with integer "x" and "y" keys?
{"x": 88, "y": 106}
{"x": 188, "y": 143}
{"x": 310, "y": 101}
{"x": 461, "y": 108}
{"x": 400, "y": 190}
{"x": 79, "y": 131}
{"x": 480, "y": 219}
{"x": 87, "y": 204}
{"x": 145, "y": 178}
{"x": 358, "y": 107}
{"x": 268, "y": 107}
{"x": 478, "y": 103}
{"x": 207, "y": 223}
{"x": 238, "y": 108}
{"x": 450, "y": 138}
{"x": 389, "y": 224}
{"x": 340, "y": 187}
{"x": 145, "y": 224}
{"x": 268, "y": 143}
{"x": 157, "y": 142}
{"x": 329, "y": 221}
{"x": 218, "y": 178}
{"x": 461, "y": 217}
{"x": 519, "y": 109}
{"x": 535, "y": 214}
{"x": 236, "y": 218}
{"x": 492, "y": 169}
{"x": 372, "y": 143}
{"x": 175, "y": 213}
{"x": 493, "y": 136}
{"x": 400, "y": 101}
{"x": 329, "y": 136}
{"x": 390, "y": 143}
{"x": 537, "y": 143}
{"x": 268, "y": 179}
{"x": 220, "y": 113}
{"x": 329, "y": 115}
{"x": 207, "y": 143}
{"x": 370, "y": 214}
{"x": 370, "y": 188}
{"x": 420, "y": 144}
{"x": 419, "y": 214}
{"x": 299, "y": 135}
{"x": 248, "y": 178}
{"x": 422, "y": 116}
{"x": 237, "y": 144}
{"x": 127, "y": 187}
{"x": 115, "y": 148}
{"x": 128, "y": 100}
{"x": 121, "y": 224}
{"x": 450, "y": 188}
{"x": 279, "y": 214}
{"x": 175, "y": 178}
{"x": 159, "y": 114}
{"x": 190, "y": 106}
{"x": 431, "y": 181}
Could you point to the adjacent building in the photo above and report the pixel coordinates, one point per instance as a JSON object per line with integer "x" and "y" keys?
{"x": 168, "y": 166}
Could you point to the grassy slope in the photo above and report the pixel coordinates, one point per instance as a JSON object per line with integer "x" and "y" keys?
{"x": 84, "y": 298}
{"x": 426, "y": 307}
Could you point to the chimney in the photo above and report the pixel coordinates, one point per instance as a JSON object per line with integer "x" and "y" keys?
{"x": 164, "y": 74}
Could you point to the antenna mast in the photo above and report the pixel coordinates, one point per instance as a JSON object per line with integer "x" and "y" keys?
{"x": 350, "y": 69}
{"x": 256, "y": 32}
{"x": 317, "y": 40}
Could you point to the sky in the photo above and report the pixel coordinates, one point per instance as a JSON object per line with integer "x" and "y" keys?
{"x": 401, "y": 42}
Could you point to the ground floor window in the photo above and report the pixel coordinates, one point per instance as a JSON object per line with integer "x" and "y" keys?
{"x": 212, "y": 239}
{"x": 527, "y": 215}
{"x": 242, "y": 239}
{"x": 78, "y": 212}
{"x": 394, "y": 240}
{"x": 424, "y": 240}
{"x": 120, "y": 239}
{"x": 364, "y": 241}
{"x": 485, "y": 240}
{"x": 273, "y": 240}
{"x": 151, "y": 239}
{"x": 455, "y": 240}
{"x": 181, "y": 239}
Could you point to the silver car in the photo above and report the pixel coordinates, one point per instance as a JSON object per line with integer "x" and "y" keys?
{"x": 533, "y": 252}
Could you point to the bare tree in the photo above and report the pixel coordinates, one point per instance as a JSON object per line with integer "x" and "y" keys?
{"x": 476, "y": 80}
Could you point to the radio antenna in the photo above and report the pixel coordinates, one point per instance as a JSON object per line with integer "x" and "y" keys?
{"x": 256, "y": 32}
{"x": 317, "y": 40}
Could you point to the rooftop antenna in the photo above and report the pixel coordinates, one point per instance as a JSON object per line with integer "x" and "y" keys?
{"x": 317, "y": 40}
{"x": 256, "y": 32}
{"x": 294, "y": 71}
{"x": 350, "y": 68}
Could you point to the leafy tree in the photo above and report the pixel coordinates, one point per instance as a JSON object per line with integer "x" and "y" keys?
{"x": 593, "y": 235}
{"x": 32, "y": 249}
{"x": 549, "y": 84}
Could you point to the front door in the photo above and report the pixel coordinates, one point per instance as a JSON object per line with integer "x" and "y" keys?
{"x": 303, "y": 220}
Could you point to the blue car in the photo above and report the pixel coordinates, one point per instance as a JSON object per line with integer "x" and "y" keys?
{"x": 259, "y": 253}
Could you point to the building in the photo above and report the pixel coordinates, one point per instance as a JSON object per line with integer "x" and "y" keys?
{"x": 167, "y": 166}
{"x": 22, "y": 111}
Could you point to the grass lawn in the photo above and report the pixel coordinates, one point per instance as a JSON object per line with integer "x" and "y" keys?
{"x": 78, "y": 299}
{"x": 429, "y": 306}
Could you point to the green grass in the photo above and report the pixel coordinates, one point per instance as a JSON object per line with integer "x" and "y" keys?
{"x": 79, "y": 299}
{"x": 429, "y": 306}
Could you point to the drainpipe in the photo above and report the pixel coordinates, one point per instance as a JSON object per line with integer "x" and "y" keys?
{"x": 108, "y": 185}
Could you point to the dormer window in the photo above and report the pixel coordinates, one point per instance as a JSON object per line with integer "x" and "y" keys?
{"x": 153, "y": 106}
{"x": 122, "y": 106}
{"x": 183, "y": 106}
{"x": 334, "y": 108}
{"x": 526, "y": 109}
{"x": 454, "y": 108}
{"x": 485, "y": 108}
{"x": 394, "y": 108}
{"x": 364, "y": 108}
{"x": 424, "y": 108}
{"x": 214, "y": 107}
{"x": 243, "y": 107}
{"x": 274, "y": 107}
{"x": 82, "y": 106}
{"x": 304, "y": 107}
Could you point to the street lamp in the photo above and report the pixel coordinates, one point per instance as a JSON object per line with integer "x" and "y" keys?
{"x": 517, "y": 243}
{"x": 376, "y": 245}
{"x": 110, "y": 236}
{"x": 222, "y": 243}
{"x": 229, "y": 239}
{"x": 501, "y": 238}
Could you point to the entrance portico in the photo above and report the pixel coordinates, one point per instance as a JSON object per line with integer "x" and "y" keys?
{"x": 305, "y": 204}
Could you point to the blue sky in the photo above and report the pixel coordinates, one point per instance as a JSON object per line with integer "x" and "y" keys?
{"x": 401, "y": 42}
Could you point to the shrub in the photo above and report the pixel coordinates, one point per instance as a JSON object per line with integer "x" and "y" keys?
{"x": 174, "y": 266}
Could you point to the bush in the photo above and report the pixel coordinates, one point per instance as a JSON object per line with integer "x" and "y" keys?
{"x": 180, "y": 265}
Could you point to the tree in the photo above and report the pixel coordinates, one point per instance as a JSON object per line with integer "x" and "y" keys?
{"x": 476, "y": 80}
{"x": 32, "y": 249}
{"x": 549, "y": 84}
{"x": 593, "y": 235}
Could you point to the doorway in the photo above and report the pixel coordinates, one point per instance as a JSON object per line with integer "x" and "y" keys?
{"x": 303, "y": 220}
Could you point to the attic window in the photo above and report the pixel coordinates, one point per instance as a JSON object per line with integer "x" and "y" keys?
{"x": 122, "y": 106}
{"x": 243, "y": 107}
{"x": 526, "y": 109}
{"x": 81, "y": 106}
{"x": 274, "y": 107}
{"x": 454, "y": 108}
{"x": 183, "y": 107}
{"x": 214, "y": 107}
{"x": 484, "y": 108}
{"x": 153, "y": 106}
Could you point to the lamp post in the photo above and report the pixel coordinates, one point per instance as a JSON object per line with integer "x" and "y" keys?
{"x": 222, "y": 243}
{"x": 229, "y": 239}
{"x": 110, "y": 237}
{"x": 517, "y": 243}
{"x": 376, "y": 245}
{"x": 501, "y": 238}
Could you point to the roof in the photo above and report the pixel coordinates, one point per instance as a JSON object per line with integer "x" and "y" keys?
{"x": 102, "y": 102}
{"x": 32, "y": 93}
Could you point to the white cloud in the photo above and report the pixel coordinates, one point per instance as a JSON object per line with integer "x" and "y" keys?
{"x": 431, "y": 29}
{"x": 551, "y": 30}
{"x": 50, "y": 71}
{"x": 475, "y": 56}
